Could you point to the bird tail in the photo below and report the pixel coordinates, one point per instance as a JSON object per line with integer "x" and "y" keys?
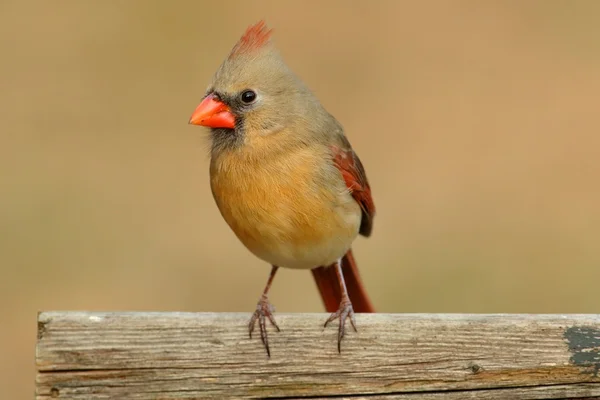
{"x": 329, "y": 286}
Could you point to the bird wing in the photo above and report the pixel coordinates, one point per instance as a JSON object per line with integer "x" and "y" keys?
{"x": 353, "y": 172}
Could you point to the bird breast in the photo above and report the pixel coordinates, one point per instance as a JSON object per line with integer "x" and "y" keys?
{"x": 291, "y": 210}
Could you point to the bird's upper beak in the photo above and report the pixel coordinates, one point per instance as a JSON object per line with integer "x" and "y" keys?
{"x": 213, "y": 113}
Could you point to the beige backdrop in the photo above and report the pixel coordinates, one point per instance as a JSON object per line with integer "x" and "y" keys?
{"x": 477, "y": 122}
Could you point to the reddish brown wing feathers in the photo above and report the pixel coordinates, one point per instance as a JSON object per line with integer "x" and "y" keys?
{"x": 355, "y": 177}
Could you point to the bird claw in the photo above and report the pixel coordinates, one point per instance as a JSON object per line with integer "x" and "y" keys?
{"x": 264, "y": 310}
{"x": 344, "y": 312}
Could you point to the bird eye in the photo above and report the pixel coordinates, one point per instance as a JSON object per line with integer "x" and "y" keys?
{"x": 248, "y": 96}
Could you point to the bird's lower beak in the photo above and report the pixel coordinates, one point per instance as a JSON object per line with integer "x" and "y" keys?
{"x": 213, "y": 113}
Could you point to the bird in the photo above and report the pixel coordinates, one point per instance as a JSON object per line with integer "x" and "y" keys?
{"x": 285, "y": 177}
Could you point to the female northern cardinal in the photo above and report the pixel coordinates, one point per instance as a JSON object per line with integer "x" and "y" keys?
{"x": 285, "y": 177}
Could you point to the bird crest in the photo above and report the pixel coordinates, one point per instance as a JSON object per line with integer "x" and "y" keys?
{"x": 255, "y": 38}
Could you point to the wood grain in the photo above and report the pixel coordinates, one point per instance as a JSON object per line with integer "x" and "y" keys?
{"x": 84, "y": 355}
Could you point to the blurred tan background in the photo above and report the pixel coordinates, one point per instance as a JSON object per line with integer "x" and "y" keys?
{"x": 478, "y": 123}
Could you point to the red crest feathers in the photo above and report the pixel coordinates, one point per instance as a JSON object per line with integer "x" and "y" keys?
{"x": 255, "y": 37}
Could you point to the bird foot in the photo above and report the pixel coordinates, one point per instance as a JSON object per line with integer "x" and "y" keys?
{"x": 264, "y": 310}
{"x": 344, "y": 312}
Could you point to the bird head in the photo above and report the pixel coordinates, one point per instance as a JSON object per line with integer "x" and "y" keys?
{"x": 253, "y": 93}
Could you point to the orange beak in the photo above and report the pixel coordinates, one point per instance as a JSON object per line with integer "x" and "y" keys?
{"x": 213, "y": 113}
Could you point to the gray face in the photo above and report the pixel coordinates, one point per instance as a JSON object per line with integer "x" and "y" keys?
{"x": 261, "y": 92}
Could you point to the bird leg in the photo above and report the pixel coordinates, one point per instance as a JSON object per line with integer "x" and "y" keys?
{"x": 345, "y": 310}
{"x": 264, "y": 310}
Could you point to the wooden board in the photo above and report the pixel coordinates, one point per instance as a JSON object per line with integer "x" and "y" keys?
{"x": 84, "y": 355}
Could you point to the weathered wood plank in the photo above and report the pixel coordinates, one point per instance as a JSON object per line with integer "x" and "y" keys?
{"x": 416, "y": 356}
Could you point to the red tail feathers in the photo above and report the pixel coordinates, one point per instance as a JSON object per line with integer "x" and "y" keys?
{"x": 329, "y": 286}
